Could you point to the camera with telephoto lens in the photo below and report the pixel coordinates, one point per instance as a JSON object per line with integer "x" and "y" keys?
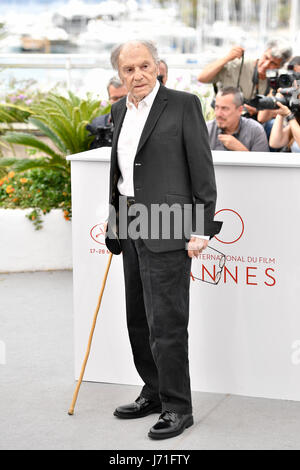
{"x": 103, "y": 135}
{"x": 277, "y": 79}
{"x": 290, "y": 99}
{"x": 291, "y": 94}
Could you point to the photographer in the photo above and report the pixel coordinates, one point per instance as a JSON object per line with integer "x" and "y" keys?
{"x": 229, "y": 130}
{"x": 267, "y": 116}
{"x": 294, "y": 64}
{"x": 286, "y": 103}
{"x": 286, "y": 135}
{"x": 163, "y": 71}
{"x": 101, "y": 127}
{"x": 249, "y": 75}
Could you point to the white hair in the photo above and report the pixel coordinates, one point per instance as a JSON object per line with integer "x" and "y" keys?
{"x": 115, "y": 54}
{"x": 280, "y": 49}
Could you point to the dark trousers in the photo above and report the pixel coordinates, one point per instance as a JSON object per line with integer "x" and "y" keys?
{"x": 157, "y": 305}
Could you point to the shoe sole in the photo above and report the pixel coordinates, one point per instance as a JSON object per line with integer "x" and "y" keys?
{"x": 134, "y": 416}
{"x": 158, "y": 436}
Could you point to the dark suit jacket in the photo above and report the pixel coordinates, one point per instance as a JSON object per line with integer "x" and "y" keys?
{"x": 173, "y": 163}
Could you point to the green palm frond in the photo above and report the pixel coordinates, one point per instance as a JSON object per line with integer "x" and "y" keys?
{"x": 63, "y": 120}
{"x": 84, "y": 139}
{"x": 10, "y": 113}
{"x": 29, "y": 164}
{"x": 74, "y": 99}
{"x": 21, "y": 138}
{"x": 58, "y": 130}
{"x": 46, "y": 129}
{"x": 5, "y": 145}
{"x": 7, "y": 162}
{"x": 99, "y": 112}
{"x": 17, "y": 107}
{"x": 76, "y": 118}
{"x": 55, "y": 103}
{"x": 84, "y": 111}
{"x": 67, "y": 132}
{"x": 20, "y": 165}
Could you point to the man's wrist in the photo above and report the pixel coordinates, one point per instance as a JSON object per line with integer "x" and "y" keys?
{"x": 237, "y": 146}
{"x": 242, "y": 147}
{"x": 227, "y": 59}
{"x": 290, "y": 117}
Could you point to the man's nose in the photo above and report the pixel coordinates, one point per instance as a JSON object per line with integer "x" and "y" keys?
{"x": 137, "y": 75}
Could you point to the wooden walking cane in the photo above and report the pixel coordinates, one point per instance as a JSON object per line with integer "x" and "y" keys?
{"x": 71, "y": 410}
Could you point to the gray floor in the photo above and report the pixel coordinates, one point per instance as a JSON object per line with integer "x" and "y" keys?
{"x": 37, "y": 385}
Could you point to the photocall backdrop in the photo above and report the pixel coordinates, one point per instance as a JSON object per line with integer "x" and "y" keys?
{"x": 244, "y": 332}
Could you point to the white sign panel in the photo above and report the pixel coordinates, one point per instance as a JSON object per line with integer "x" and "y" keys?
{"x": 245, "y": 332}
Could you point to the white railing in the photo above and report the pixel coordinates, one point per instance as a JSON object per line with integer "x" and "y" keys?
{"x": 68, "y": 63}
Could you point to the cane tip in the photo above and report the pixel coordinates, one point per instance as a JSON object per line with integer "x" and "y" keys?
{"x": 70, "y": 412}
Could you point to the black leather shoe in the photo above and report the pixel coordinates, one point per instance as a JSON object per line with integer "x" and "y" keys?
{"x": 140, "y": 408}
{"x": 170, "y": 425}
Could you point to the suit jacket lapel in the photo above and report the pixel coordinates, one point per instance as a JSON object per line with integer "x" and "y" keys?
{"x": 157, "y": 108}
{"x": 117, "y": 129}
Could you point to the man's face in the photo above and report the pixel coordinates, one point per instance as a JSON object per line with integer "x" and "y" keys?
{"x": 296, "y": 68}
{"x": 227, "y": 113}
{"x": 115, "y": 94}
{"x": 163, "y": 72}
{"x": 137, "y": 70}
{"x": 267, "y": 62}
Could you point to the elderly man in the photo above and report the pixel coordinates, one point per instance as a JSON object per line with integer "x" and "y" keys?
{"x": 160, "y": 156}
{"x": 249, "y": 75}
{"x": 229, "y": 130}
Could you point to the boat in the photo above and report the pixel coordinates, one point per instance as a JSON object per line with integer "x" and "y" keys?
{"x": 39, "y": 39}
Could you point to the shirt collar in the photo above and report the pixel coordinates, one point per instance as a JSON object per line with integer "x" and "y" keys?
{"x": 219, "y": 130}
{"x": 148, "y": 100}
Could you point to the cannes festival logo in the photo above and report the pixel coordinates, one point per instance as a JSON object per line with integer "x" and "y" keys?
{"x": 98, "y": 233}
{"x": 233, "y": 226}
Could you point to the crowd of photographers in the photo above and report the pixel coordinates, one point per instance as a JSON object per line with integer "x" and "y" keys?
{"x": 257, "y": 102}
{"x": 257, "y": 105}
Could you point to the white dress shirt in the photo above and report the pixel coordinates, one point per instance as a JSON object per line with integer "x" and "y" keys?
{"x": 133, "y": 125}
{"x": 131, "y": 131}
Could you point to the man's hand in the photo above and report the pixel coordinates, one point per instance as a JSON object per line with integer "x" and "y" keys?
{"x": 251, "y": 110}
{"x": 235, "y": 53}
{"x": 231, "y": 143}
{"x": 196, "y": 246}
{"x": 283, "y": 110}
